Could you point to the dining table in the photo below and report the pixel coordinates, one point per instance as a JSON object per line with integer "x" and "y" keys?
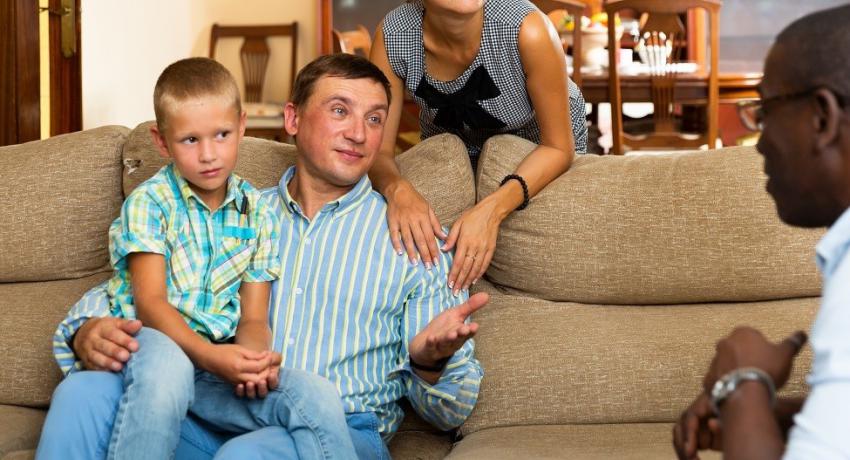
{"x": 737, "y": 81}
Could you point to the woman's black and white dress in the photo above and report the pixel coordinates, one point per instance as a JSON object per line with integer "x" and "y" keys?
{"x": 490, "y": 96}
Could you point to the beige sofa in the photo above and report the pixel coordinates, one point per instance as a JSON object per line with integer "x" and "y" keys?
{"x": 608, "y": 292}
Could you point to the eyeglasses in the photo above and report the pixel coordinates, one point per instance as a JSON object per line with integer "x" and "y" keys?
{"x": 752, "y": 112}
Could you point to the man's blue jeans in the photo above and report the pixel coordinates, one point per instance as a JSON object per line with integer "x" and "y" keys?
{"x": 85, "y": 404}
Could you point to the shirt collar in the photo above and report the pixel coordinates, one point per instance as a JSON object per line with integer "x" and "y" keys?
{"x": 832, "y": 247}
{"x": 339, "y": 206}
{"x": 234, "y": 193}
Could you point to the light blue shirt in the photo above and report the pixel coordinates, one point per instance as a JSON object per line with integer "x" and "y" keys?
{"x": 346, "y": 307}
{"x": 822, "y": 429}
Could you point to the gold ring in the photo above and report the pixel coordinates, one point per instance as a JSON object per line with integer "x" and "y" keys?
{"x": 473, "y": 257}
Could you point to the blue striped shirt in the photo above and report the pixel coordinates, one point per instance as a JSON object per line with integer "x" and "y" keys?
{"x": 347, "y": 305}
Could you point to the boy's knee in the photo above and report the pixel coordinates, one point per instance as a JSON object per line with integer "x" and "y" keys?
{"x": 160, "y": 371}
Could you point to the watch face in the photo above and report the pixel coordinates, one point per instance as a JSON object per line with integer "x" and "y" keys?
{"x": 718, "y": 393}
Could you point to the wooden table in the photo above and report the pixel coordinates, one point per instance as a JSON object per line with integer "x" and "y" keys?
{"x": 737, "y": 81}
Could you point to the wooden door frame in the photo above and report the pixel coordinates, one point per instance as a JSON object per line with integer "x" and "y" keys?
{"x": 326, "y": 15}
{"x": 20, "y": 110}
{"x": 66, "y": 83}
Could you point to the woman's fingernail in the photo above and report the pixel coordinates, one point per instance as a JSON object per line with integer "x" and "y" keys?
{"x": 400, "y": 253}
{"x": 451, "y": 284}
{"x": 428, "y": 265}
{"x": 436, "y": 261}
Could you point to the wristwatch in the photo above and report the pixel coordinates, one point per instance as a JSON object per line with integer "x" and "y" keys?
{"x": 726, "y": 385}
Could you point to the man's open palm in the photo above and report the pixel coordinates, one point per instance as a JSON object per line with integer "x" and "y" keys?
{"x": 447, "y": 332}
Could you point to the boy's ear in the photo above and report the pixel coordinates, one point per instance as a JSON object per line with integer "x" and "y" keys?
{"x": 159, "y": 141}
{"x": 290, "y": 118}
{"x": 243, "y": 123}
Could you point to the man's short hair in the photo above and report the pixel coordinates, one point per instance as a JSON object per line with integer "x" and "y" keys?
{"x": 341, "y": 65}
{"x": 192, "y": 78}
{"x": 818, "y": 45}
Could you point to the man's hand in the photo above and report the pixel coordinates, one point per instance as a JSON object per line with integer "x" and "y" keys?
{"x": 697, "y": 429}
{"x": 105, "y": 344}
{"x": 267, "y": 380}
{"x": 747, "y": 347}
{"x": 446, "y": 333}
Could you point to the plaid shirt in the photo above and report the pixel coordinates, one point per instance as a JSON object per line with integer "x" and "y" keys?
{"x": 207, "y": 253}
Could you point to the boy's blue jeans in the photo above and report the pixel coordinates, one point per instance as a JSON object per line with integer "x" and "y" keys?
{"x": 302, "y": 418}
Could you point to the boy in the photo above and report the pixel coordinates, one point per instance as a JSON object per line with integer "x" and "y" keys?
{"x": 194, "y": 251}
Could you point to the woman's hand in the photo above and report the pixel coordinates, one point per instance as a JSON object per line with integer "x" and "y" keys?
{"x": 413, "y": 224}
{"x": 474, "y": 234}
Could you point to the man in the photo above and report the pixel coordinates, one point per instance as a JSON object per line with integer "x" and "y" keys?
{"x": 347, "y": 307}
{"x": 806, "y": 146}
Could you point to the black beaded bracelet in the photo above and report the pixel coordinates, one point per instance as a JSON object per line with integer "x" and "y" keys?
{"x": 437, "y": 367}
{"x": 521, "y": 181}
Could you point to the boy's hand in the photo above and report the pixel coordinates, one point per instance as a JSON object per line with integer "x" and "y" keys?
{"x": 105, "y": 344}
{"x": 269, "y": 380}
{"x": 237, "y": 364}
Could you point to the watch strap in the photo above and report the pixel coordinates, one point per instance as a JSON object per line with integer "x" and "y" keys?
{"x": 726, "y": 385}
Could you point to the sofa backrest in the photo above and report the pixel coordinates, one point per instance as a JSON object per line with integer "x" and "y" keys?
{"x": 59, "y": 197}
{"x": 649, "y": 229}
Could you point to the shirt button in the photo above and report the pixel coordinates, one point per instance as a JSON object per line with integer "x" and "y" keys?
{"x": 298, "y": 291}
{"x": 292, "y": 341}
{"x": 306, "y": 240}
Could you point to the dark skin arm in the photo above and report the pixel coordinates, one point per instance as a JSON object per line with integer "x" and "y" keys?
{"x": 747, "y": 424}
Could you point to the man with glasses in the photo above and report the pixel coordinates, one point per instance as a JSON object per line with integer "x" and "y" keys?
{"x": 805, "y": 142}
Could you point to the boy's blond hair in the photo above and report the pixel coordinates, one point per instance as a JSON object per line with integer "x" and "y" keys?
{"x": 192, "y": 78}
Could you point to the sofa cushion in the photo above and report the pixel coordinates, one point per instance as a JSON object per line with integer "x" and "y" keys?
{"x": 644, "y": 441}
{"x": 439, "y": 169}
{"x": 566, "y": 363}
{"x": 649, "y": 229}
{"x": 59, "y": 197}
{"x": 419, "y": 445}
{"x": 20, "y": 428}
{"x": 31, "y": 312}
{"x": 262, "y": 162}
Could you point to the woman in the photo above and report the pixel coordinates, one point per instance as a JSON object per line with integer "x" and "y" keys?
{"x": 476, "y": 68}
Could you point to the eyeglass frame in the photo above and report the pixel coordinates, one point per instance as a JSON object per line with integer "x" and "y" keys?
{"x": 755, "y": 122}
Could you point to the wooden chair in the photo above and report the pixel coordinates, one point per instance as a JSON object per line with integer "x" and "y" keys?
{"x": 555, "y": 10}
{"x": 662, "y": 16}
{"x": 254, "y": 59}
{"x": 352, "y": 41}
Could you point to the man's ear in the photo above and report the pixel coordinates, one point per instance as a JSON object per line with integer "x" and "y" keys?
{"x": 290, "y": 118}
{"x": 159, "y": 141}
{"x": 827, "y": 120}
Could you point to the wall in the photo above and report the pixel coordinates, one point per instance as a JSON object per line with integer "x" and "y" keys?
{"x": 127, "y": 43}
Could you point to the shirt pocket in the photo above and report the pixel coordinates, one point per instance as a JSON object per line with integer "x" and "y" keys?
{"x": 181, "y": 266}
{"x": 233, "y": 261}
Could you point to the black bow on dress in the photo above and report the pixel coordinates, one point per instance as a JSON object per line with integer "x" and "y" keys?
{"x": 461, "y": 107}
